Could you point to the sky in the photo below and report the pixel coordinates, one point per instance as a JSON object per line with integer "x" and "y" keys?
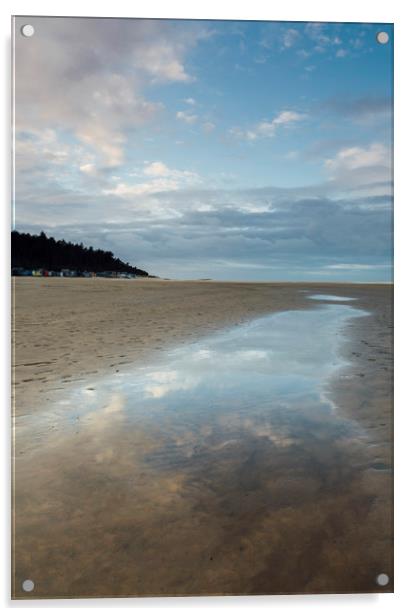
{"x": 209, "y": 149}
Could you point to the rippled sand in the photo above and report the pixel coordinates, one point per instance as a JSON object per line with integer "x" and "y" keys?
{"x": 186, "y": 490}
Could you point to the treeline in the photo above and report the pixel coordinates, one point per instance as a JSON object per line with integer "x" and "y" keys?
{"x": 42, "y": 252}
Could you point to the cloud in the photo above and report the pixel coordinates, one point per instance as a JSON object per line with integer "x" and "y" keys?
{"x": 268, "y": 128}
{"x": 362, "y": 170}
{"x": 365, "y": 108}
{"x": 163, "y": 179}
{"x": 43, "y": 157}
{"x": 157, "y": 169}
{"x": 34, "y": 146}
{"x": 189, "y": 101}
{"x": 208, "y": 127}
{"x": 357, "y": 158}
{"x": 185, "y": 116}
{"x": 356, "y": 167}
{"x": 322, "y": 36}
{"x": 91, "y": 76}
{"x": 88, "y": 168}
{"x": 312, "y": 38}
{"x": 290, "y": 37}
{"x": 127, "y": 190}
{"x": 358, "y": 266}
{"x": 184, "y": 230}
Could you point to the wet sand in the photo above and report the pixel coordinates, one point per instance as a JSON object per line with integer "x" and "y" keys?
{"x": 233, "y": 512}
{"x": 69, "y": 329}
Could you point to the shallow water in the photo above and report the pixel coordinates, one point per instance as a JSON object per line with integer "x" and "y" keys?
{"x": 198, "y": 474}
{"x": 287, "y": 357}
{"x": 331, "y": 298}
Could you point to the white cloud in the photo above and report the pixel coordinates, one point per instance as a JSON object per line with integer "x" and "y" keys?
{"x": 322, "y": 40}
{"x": 251, "y": 135}
{"x": 162, "y": 62}
{"x": 357, "y": 266}
{"x": 44, "y": 144}
{"x": 108, "y": 144}
{"x": 125, "y": 190}
{"x": 341, "y": 53}
{"x": 362, "y": 169}
{"x": 189, "y": 101}
{"x": 208, "y": 127}
{"x": 157, "y": 168}
{"x": 268, "y": 128}
{"x": 285, "y": 117}
{"x": 45, "y": 155}
{"x": 353, "y": 158}
{"x": 315, "y": 31}
{"x": 163, "y": 179}
{"x": 290, "y": 37}
{"x": 185, "y": 116}
{"x": 88, "y": 168}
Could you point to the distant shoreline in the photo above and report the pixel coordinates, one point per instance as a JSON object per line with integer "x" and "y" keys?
{"x": 115, "y": 275}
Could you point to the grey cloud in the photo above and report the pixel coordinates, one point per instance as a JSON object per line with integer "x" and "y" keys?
{"x": 359, "y": 107}
{"x": 292, "y": 233}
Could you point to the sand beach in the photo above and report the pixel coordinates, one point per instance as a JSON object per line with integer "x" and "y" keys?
{"x": 230, "y": 496}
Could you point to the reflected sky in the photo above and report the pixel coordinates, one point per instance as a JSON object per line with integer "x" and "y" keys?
{"x": 286, "y": 358}
{"x": 331, "y": 298}
{"x": 166, "y": 473}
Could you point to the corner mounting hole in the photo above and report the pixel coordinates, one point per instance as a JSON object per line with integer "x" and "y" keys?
{"x": 28, "y": 585}
{"x": 383, "y": 38}
{"x": 27, "y": 30}
{"x": 382, "y": 579}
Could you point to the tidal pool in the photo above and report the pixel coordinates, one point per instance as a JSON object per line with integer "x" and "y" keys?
{"x": 221, "y": 468}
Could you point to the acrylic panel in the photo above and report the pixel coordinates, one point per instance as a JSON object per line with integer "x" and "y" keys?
{"x": 202, "y": 246}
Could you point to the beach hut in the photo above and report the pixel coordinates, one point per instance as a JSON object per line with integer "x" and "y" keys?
{"x": 68, "y": 273}
{"x": 17, "y": 271}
